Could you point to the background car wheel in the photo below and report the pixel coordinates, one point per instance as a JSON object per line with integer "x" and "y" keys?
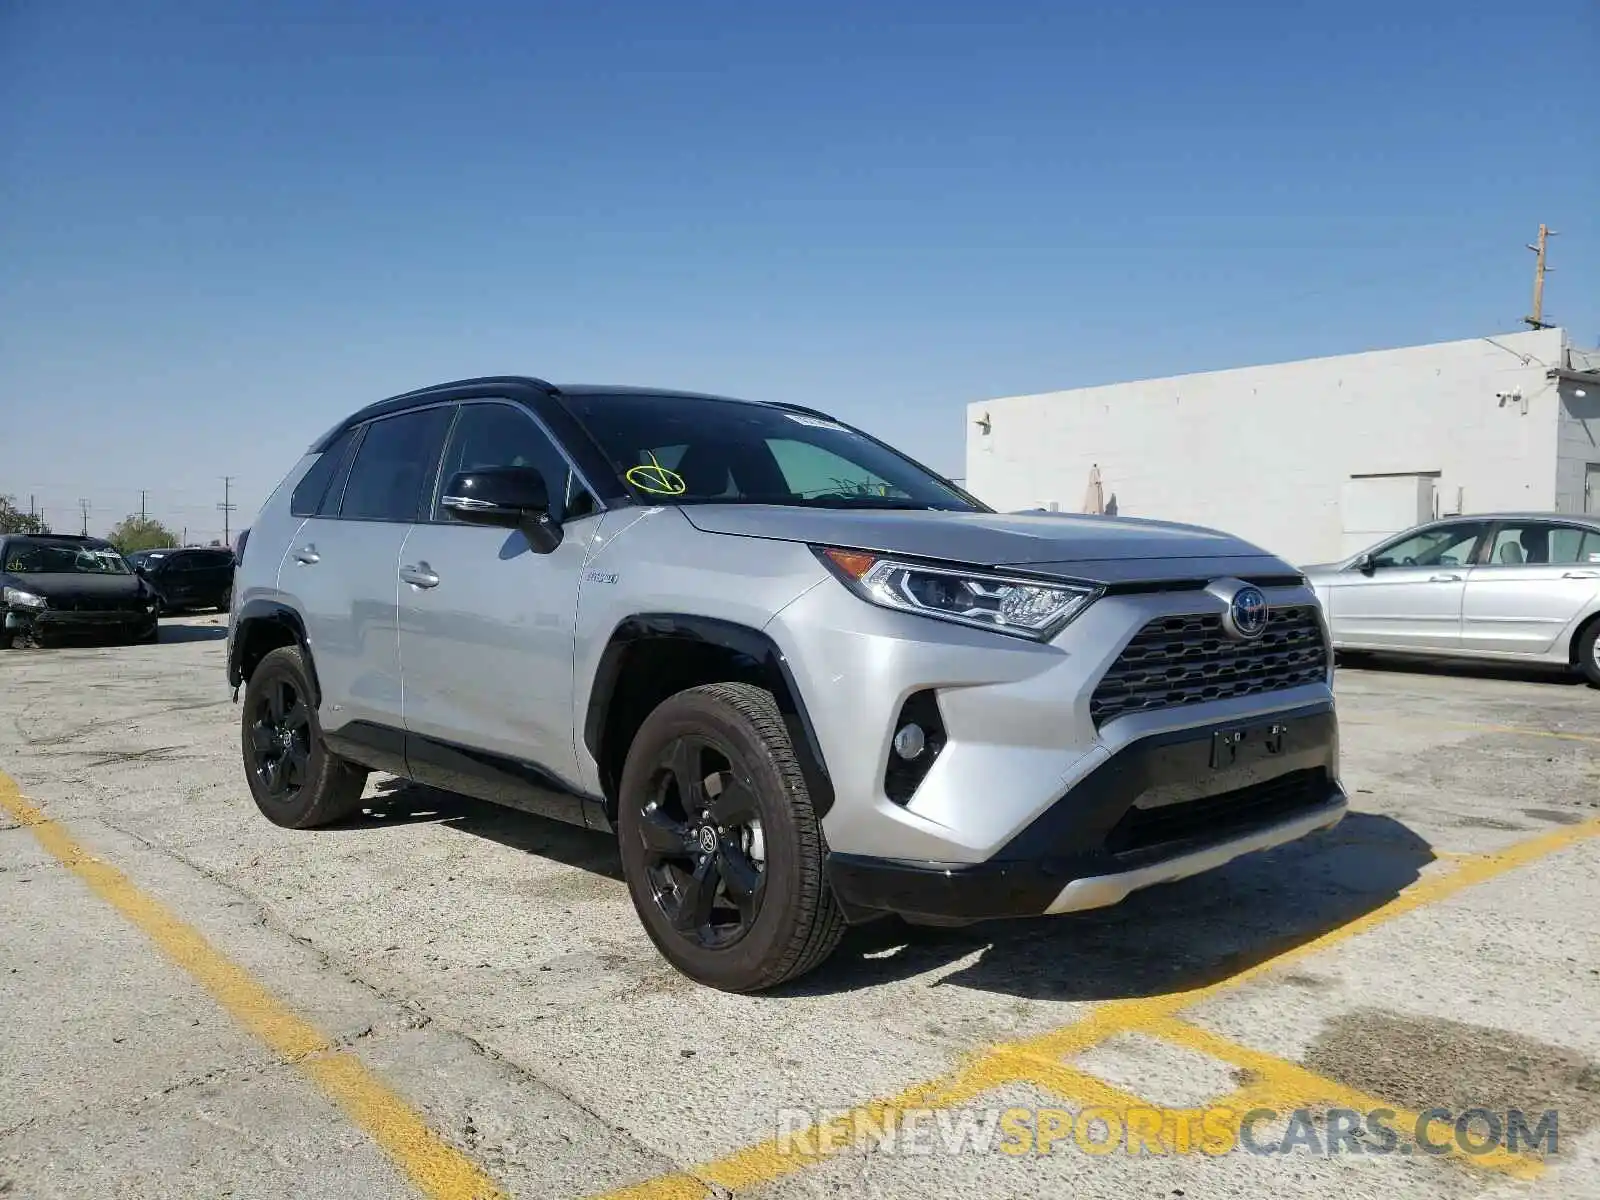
{"x": 720, "y": 846}
{"x": 293, "y": 778}
{"x": 1589, "y": 653}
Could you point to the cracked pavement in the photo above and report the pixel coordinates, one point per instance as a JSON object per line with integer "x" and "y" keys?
{"x": 488, "y": 967}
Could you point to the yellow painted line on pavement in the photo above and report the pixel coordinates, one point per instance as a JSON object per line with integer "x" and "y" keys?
{"x": 1283, "y": 1086}
{"x": 434, "y": 1168}
{"x": 1040, "y": 1059}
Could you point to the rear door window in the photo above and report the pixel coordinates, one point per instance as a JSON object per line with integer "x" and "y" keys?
{"x": 1537, "y": 544}
{"x": 395, "y": 466}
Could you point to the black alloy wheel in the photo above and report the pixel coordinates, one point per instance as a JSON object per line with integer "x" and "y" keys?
{"x": 703, "y": 845}
{"x": 294, "y": 779}
{"x": 280, "y": 739}
{"x": 721, "y": 848}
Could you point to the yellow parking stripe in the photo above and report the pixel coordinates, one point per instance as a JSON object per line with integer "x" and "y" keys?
{"x": 1283, "y": 1086}
{"x": 436, "y": 1169}
{"x": 1040, "y": 1059}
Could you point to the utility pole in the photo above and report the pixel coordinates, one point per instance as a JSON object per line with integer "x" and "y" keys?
{"x": 83, "y": 505}
{"x": 227, "y": 506}
{"x": 142, "y": 515}
{"x": 185, "y": 540}
{"x": 1536, "y": 321}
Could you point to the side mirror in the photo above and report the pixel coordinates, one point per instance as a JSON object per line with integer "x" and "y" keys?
{"x": 509, "y": 497}
{"x": 1365, "y": 563}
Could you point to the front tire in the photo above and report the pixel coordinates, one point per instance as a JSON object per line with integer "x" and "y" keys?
{"x": 1589, "y": 653}
{"x": 294, "y": 779}
{"x": 720, "y": 846}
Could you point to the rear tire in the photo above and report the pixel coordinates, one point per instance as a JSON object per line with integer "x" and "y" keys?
{"x": 1589, "y": 653}
{"x": 720, "y": 846}
{"x": 294, "y": 779}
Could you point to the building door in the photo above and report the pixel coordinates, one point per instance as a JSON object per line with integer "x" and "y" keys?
{"x": 1591, "y": 489}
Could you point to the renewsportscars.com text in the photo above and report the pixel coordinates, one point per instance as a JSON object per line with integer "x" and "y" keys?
{"x": 1474, "y": 1132}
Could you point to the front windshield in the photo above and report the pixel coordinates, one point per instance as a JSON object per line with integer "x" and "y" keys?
{"x": 691, "y": 450}
{"x": 61, "y": 558}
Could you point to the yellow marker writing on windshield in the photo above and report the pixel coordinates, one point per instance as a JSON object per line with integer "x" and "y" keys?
{"x": 654, "y": 478}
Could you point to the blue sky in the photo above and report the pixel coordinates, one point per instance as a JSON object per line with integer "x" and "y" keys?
{"x": 224, "y": 226}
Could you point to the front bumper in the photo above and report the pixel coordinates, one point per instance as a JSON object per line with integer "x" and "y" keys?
{"x": 43, "y": 623}
{"x": 1160, "y": 808}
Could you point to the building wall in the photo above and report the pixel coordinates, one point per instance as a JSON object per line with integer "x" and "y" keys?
{"x": 1578, "y": 446}
{"x": 1269, "y": 452}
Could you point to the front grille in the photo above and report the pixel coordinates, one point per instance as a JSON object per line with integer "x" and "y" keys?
{"x": 98, "y": 604}
{"x": 1217, "y": 818}
{"x": 1188, "y": 659}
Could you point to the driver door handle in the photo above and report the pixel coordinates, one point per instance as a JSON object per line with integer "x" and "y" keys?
{"x": 1582, "y": 575}
{"x": 306, "y": 554}
{"x": 1444, "y": 579}
{"x": 421, "y": 575}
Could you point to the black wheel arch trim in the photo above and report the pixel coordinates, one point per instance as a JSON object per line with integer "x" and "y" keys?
{"x": 743, "y": 640}
{"x": 272, "y": 612}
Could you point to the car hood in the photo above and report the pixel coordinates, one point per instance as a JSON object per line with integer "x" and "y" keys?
{"x": 1109, "y": 549}
{"x": 1324, "y": 570}
{"x": 72, "y": 585}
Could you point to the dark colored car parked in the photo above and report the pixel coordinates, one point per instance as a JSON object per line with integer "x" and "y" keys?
{"x": 188, "y": 577}
{"x": 58, "y": 585}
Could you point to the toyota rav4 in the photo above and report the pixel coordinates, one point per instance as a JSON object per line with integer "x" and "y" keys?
{"x": 805, "y": 681}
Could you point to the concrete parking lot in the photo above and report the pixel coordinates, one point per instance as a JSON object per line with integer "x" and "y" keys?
{"x": 446, "y": 999}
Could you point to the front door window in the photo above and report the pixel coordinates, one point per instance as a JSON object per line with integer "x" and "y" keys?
{"x": 1450, "y": 546}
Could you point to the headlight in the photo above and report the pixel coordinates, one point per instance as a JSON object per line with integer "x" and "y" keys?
{"x": 21, "y": 598}
{"x": 1022, "y": 607}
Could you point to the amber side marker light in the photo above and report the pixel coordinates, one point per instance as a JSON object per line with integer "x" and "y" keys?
{"x": 853, "y": 563}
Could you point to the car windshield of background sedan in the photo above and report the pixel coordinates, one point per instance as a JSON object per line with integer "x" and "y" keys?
{"x": 61, "y": 558}
{"x": 700, "y": 450}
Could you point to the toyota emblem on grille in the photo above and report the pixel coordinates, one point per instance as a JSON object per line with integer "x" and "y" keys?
{"x": 1246, "y": 618}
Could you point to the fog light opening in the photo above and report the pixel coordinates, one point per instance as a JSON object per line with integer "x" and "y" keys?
{"x": 910, "y": 742}
{"x": 919, "y": 737}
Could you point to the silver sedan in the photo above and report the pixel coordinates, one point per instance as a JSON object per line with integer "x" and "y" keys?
{"x": 1514, "y": 586}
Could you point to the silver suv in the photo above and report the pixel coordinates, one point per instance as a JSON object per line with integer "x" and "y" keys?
{"x": 806, "y": 681}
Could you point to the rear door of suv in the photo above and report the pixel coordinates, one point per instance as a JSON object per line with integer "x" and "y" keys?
{"x": 486, "y": 639}
{"x": 341, "y": 569}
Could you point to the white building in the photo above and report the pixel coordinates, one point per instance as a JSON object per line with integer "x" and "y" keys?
{"x": 1317, "y": 459}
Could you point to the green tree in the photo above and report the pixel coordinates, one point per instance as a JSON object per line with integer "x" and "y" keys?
{"x": 134, "y": 532}
{"x": 12, "y": 520}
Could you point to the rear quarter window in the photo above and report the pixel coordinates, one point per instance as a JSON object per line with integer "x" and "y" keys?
{"x": 308, "y": 494}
